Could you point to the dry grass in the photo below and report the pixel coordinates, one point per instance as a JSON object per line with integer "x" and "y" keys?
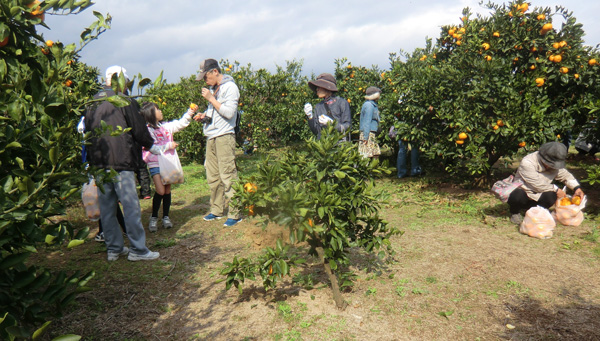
{"x": 461, "y": 272}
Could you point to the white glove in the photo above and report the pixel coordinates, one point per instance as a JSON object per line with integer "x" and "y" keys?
{"x": 324, "y": 120}
{"x": 308, "y": 110}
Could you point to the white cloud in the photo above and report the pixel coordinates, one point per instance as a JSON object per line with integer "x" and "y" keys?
{"x": 174, "y": 36}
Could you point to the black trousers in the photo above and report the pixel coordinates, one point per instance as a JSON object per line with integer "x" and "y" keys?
{"x": 143, "y": 178}
{"x": 519, "y": 201}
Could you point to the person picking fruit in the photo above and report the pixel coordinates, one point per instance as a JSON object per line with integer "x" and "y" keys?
{"x": 331, "y": 110}
{"x": 537, "y": 172}
{"x": 162, "y": 134}
{"x": 222, "y": 97}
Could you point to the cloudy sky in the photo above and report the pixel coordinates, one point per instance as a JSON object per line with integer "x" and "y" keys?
{"x": 148, "y": 36}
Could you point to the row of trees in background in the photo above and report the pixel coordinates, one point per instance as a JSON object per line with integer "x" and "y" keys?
{"x": 486, "y": 88}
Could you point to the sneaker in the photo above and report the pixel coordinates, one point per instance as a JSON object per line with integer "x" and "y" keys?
{"x": 516, "y": 218}
{"x": 151, "y": 255}
{"x": 113, "y": 256}
{"x": 231, "y": 222}
{"x": 99, "y": 237}
{"x": 211, "y": 217}
{"x": 167, "y": 222}
{"x": 146, "y": 197}
{"x": 153, "y": 225}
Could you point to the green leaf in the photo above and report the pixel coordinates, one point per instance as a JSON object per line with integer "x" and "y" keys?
{"x": 75, "y": 242}
{"x": 339, "y": 175}
{"x": 13, "y": 260}
{"x": 53, "y": 154}
{"x": 118, "y": 101}
{"x": 332, "y": 264}
{"x": 40, "y": 331}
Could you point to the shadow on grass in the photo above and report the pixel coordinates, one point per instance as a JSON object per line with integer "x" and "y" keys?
{"x": 533, "y": 320}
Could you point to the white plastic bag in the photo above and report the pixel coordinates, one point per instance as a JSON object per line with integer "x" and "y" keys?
{"x": 89, "y": 196}
{"x": 538, "y": 223}
{"x": 569, "y": 215}
{"x": 170, "y": 168}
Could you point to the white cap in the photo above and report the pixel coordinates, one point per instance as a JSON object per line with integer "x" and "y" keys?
{"x": 116, "y": 69}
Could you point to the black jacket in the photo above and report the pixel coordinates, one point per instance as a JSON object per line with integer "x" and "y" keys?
{"x": 124, "y": 152}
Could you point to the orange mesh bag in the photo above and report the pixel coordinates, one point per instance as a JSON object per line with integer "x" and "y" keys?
{"x": 89, "y": 196}
{"x": 538, "y": 223}
{"x": 568, "y": 210}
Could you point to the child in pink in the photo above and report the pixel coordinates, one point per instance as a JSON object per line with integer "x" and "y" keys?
{"x": 162, "y": 133}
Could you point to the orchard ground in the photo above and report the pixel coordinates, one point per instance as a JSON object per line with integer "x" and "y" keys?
{"x": 462, "y": 271}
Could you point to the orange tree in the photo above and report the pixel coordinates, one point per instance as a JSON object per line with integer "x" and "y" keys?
{"x": 44, "y": 89}
{"x": 324, "y": 196}
{"x": 492, "y": 85}
{"x": 272, "y": 103}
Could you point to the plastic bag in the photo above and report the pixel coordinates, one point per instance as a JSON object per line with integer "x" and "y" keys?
{"x": 170, "y": 168}
{"x": 503, "y": 188}
{"x": 570, "y": 215}
{"x": 89, "y": 196}
{"x": 538, "y": 223}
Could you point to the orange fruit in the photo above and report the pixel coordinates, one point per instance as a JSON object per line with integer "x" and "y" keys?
{"x": 270, "y": 269}
{"x": 547, "y": 27}
{"x": 251, "y": 210}
{"x": 250, "y": 187}
{"x": 576, "y": 200}
{"x": 539, "y": 81}
{"x": 463, "y": 136}
{"x": 458, "y": 43}
{"x": 576, "y": 76}
{"x": 532, "y": 67}
{"x": 496, "y": 127}
{"x": 49, "y": 43}
{"x": 500, "y": 123}
{"x": 522, "y": 144}
{"x": 592, "y": 62}
{"x": 565, "y": 201}
{"x": 564, "y": 70}
{"x": 496, "y": 34}
{"x": 551, "y": 58}
{"x": 541, "y": 17}
{"x": 557, "y": 58}
{"x": 311, "y": 223}
{"x": 486, "y": 46}
{"x": 556, "y": 45}
{"x": 45, "y": 50}
{"x": 4, "y": 42}
{"x": 459, "y": 141}
{"x": 37, "y": 10}
{"x": 488, "y": 58}
{"x": 451, "y": 32}
{"x": 68, "y": 83}
{"x": 193, "y": 106}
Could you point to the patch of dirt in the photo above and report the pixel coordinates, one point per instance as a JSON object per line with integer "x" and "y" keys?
{"x": 456, "y": 275}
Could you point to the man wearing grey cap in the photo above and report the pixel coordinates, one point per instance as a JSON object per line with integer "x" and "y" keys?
{"x": 537, "y": 171}
{"x": 219, "y": 128}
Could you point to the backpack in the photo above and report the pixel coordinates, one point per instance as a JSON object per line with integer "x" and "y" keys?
{"x": 236, "y": 128}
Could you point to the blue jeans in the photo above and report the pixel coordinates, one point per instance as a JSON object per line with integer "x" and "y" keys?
{"x": 415, "y": 168}
{"x": 123, "y": 190}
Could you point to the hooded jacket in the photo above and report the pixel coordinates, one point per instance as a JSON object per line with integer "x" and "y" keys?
{"x": 123, "y": 152}
{"x": 223, "y": 121}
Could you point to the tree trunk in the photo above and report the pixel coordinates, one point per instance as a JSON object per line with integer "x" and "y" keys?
{"x": 335, "y": 288}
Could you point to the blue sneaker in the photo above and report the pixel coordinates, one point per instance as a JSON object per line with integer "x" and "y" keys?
{"x": 230, "y": 222}
{"x": 211, "y": 217}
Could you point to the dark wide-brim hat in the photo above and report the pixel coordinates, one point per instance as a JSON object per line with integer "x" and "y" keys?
{"x": 325, "y": 81}
{"x": 553, "y": 154}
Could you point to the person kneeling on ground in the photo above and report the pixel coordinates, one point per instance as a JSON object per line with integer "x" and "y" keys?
{"x": 537, "y": 171}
